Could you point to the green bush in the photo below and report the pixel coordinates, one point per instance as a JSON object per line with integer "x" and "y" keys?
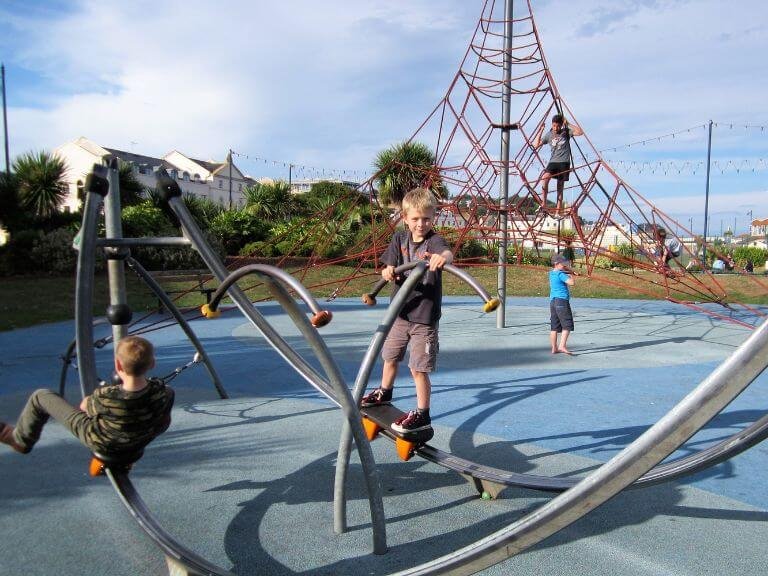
{"x": 176, "y": 257}
{"x": 145, "y": 219}
{"x": 236, "y": 228}
{"x": 15, "y": 257}
{"x": 258, "y": 249}
{"x": 757, "y": 256}
{"x": 625, "y": 252}
{"x": 471, "y": 248}
{"x": 53, "y": 252}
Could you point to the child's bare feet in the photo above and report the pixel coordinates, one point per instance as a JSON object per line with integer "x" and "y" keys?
{"x": 554, "y": 350}
{"x": 565, "y": 351}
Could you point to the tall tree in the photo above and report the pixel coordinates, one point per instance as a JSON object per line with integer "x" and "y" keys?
{"x": 405, "y": 166}
{"x": 41, "y": 185}
{"x": 132, "y": 191}
{"x": 269, "y": 201}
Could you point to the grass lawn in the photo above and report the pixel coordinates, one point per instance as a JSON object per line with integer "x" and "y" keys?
{"x": 30, "y": 300}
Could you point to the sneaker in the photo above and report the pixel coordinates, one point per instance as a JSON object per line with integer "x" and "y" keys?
{"x": 414, "y": 421}
{"x": 6, "y": 437}
{"x": 377, "y": 398}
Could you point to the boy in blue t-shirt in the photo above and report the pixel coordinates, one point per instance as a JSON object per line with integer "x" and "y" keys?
{"x": 560, "y": 315}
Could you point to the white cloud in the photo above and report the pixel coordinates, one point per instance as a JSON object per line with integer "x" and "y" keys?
{"x": 329, "y": 84}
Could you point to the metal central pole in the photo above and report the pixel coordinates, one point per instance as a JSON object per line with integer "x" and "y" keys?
{"x": 504, "y": 183}
{"x": 706, "y": 198}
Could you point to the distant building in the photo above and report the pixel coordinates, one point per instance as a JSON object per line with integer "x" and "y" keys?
{"x": 202, "y": 178}
{"x": 305, "y": 185}
{"x": 758, "y": 227}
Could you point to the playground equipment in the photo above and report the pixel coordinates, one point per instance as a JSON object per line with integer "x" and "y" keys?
{"x": 635, "y": 465}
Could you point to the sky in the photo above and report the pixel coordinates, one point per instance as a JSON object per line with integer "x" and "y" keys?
{"x": 324, "y": 86}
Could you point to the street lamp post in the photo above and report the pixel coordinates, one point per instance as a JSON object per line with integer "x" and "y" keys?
{"x": 706, "y": 194}
{"x": 5, "y": 122}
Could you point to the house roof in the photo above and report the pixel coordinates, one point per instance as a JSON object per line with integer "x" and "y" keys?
{"x": 209, "y": 165}
{"x": 137, "y": 159}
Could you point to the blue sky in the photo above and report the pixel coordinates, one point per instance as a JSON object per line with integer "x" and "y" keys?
{"x": 328, "y": 84}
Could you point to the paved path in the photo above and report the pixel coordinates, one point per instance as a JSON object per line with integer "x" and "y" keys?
{"x": 248, "y": 482}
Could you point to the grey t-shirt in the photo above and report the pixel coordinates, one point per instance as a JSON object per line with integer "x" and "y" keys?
{"x": 561, "y": 145}
{"x": 424, "y": 303}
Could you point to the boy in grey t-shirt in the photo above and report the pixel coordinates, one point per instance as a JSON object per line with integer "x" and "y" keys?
{"x": 559, "y": 138}
{"x": 417, "y": 324}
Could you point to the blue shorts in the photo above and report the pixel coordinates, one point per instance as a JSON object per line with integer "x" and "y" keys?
{"x": 560, "y": 315}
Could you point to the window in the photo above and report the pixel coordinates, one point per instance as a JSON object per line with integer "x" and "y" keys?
{"x": 186, "y": 176}
{"x": 174, "y": 174}
{"x": 221, "y": 183}
{"x": 239, "y": 187}
{"x": 197, "y": 177}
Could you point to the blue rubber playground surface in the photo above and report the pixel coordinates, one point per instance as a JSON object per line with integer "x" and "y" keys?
{"x": 247, "y": 482}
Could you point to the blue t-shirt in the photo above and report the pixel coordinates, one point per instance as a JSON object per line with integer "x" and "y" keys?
{"x": 557, "y": 286}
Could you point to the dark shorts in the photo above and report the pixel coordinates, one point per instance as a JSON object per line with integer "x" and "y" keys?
{"x": 560, "y": 315}
{"x": 558, "y": 170}
{"x": 424, "y": 345}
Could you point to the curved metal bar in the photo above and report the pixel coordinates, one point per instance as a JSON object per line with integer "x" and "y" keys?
{"x": 363, "y": 375}
{"x": 211, "y": 259}
{"x": 723, "y": 450}
{"x": 490, "y": 303}
{"x": 192, "y": 231}
{"x": 67, "y": 360}
{"x": 353, "y": 422}
{"x": 96, "y": 186}
{"x": 179, "y": 317}
{"x": 720, "y": 388}
{"x": 194, "y": 563}
{"x": 720, "y": 452}
{"x": 321, "y": 318}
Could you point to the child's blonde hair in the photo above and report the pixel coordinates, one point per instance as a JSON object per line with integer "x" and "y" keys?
{"x": 136, "y": 355}
{"x": 419, "y": 199}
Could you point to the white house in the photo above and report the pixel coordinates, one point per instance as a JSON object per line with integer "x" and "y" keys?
{"x": 758, "y": 227}
{"x": 202, "y": 178}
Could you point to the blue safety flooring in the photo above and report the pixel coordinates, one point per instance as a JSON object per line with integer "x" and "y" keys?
{"x": 247, "y": 482}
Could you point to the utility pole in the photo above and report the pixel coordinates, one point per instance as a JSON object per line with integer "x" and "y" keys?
{"x": 5, "y": 124}
{"x": 229, "y": 159}
{"x": 706, "y": 196}
{"x": 749, "y": 223}
{"x": 290, "y": 174}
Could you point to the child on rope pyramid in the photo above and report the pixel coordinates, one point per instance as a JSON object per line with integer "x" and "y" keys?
{"x": 417, "y": 322}
{"x": 115, "y": 421}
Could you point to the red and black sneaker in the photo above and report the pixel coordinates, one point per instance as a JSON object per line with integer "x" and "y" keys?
{"x": 377, "y": 397}
{"x": 413, "y": 421}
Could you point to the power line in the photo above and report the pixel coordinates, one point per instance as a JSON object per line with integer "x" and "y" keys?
{"x": 673, "y": 135}
{"x": 305, "y": 170}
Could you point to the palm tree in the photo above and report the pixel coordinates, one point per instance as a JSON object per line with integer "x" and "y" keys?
{"x": 405, "y": 166}
{"x": 203, "y": 210}
{"x": 132, "y": 191}
{"x": 270, "y": 201}
{"x": 41, "y": 185}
